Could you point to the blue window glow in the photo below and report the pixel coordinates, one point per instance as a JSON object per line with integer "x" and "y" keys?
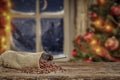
{"x": 24, "y": 34}
{"x": 51, "y": 5}
{"x": 24, "y": 5}
{"x": 52, "y": 35}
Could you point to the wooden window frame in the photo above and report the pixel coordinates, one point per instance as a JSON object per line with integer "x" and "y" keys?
{"x": 68, "y": 17}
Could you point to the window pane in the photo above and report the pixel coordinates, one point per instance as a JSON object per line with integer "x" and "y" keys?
{"x": 24, "y": 34}
{"x": 24, "y": 6}
{"x": 51, "y": 5}
{"x": 52, "y": 35}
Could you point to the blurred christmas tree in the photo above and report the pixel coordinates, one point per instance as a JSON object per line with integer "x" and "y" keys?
{"x": 101, "y": 42}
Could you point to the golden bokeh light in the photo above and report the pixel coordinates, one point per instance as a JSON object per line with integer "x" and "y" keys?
{"x": 8, "y": 17}
{"x": 98, "y": 23}
{"x": 7, "y": 28}
{"x": 93, "y": 42}
{"x": 5, "y": 35}
{"x": 108, "y": 27}
{"x": 3, "y": 39}
{"x": 103, "y": 1}
{"x": 98, "y": 49}
{"x": 5, "y": 47}
{"x": 9, "y": 5}
{"x": 4, "y": 13}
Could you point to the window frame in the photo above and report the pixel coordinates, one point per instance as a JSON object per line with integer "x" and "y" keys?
{"x": 68, "y": 18}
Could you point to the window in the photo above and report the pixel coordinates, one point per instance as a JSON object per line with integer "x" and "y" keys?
{"x": 42, "y": 25}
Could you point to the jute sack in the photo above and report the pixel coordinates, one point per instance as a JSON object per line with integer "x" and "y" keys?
{"x": 19, "y": 60}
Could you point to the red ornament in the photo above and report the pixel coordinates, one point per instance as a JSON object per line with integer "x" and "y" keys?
{"x": 77, "y": 40}
{"x": 102, "y": 2}
{"x": 108, "y": 27}
{"x": 88, "y": 36}
{"x": 98, "y": 23}
{"x": 98, "y": 50}
{"x": 102, "y": 52}
{"x": 74, "y": 53}
{"x": 111, "y": 43}
{"x": 83, "y": 49}
{"x": 94, "y": 41}
{"x": 93, "y": 16}
{"x": 115, "y": 10}
{"x": 88, "y": 60}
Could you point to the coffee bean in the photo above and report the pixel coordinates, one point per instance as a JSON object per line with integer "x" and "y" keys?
{"x": 45, "y": 67}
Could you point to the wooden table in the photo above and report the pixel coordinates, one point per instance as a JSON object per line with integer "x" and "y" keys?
{"x": 74, "y": 71}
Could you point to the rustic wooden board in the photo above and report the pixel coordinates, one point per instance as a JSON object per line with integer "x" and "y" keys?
{"x": 74, "y": 71}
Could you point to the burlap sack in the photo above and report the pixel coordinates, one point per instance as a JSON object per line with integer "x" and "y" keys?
{"x": 19, "y": 60}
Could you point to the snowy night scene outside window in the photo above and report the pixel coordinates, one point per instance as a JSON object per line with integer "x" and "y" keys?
{"x": 41, "y": 25}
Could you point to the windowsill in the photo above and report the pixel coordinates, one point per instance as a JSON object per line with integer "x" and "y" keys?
{"x": 74, "y": 71}
{"x": 60, "y": 58}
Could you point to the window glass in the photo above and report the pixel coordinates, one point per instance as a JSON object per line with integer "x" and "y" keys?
{"x": 52, "y": 35}
{"x": 51, "y": 5}
{"x": 23, "y": 34}
{"x": 24, "y": 6}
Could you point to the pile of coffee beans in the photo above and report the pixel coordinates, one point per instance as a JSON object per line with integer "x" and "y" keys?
{"x": 44, "y": 68}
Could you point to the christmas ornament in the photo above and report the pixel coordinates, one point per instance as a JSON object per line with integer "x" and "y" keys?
{"x": 94, "y": 41}
{"x": 102, "y": 52}
{"x": 98, "y": 23}
{"x": 74, "y": 53}
{"x": 77, "y": 40}
{"x": 88, "y": 60}
{"x": 97, "y": 50}
{"x": 115, "y": 10}
{"x": 93, "y": 16}
{"x": 108, "y": 27}
{"x": 88, "y": 36}
{"x": 102, "y": 2}
{"x": 112, "y": 43}
{"x": 83, "y": 49}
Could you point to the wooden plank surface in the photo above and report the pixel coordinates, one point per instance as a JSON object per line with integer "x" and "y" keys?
{"x": 74, "y": 71}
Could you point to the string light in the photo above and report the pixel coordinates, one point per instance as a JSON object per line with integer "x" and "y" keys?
{"x": 102, "y": 2}
{"x": 98, "y": 50}
{"x": 93, "y": 42}
{"x": 8, "y": 17}
{"x": 8, "y": 28}
{"x": 98, "y": 23}
{"x": 9, "y": 4}
{"x": 3, "y": 39}
{"x": 108, "y": 27}
{"x": 5, "y": 47}
{"x": 5, "y": 35}
{"x": 4, "y": 13}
